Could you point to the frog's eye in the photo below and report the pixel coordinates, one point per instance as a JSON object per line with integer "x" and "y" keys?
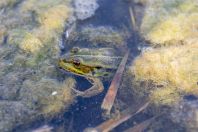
{"x": 74, "y": 50}
{"x": 76, "y": 62}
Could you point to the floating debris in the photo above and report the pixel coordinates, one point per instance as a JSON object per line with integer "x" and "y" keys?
{"x": 54, "y": 93}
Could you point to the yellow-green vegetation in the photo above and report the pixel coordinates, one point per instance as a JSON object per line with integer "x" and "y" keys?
{"x": 55, "y": 17}
{"x": 40, "y": 6}
{"x": 56, "y": 103}
{"x": 29, "y": 34}
{"x": 171, "y": 66}
{"x": 173, "y": 69}
{"x": 170, "y": 22}
{"x": 30, "y": 43}
{"x": 51, "y": 18}
{"x": 51, "y": 97}
{"x": 165, "y": 96}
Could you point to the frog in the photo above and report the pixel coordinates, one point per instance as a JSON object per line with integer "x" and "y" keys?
{"x": 94, "y": 64}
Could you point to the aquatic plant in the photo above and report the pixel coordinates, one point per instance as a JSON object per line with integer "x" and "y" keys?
{"x": 60, "y": 13}
{"x": 170, "y": 22}
{"x": 173, "y": 69}
{"x": 48, "y": 29}
{"x": 29, "y": 51}
{"x": 30, "y": 43}
{"x": 48, "y": 96}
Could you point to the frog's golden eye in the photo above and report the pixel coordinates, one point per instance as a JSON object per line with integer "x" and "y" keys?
{"x": 76, "y": 62}
{"x": 74, "y": 50}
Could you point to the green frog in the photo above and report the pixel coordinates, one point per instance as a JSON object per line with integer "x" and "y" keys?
{"x": 93, "y": 64}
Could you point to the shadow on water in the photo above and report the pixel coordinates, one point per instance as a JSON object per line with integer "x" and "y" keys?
{"x": 86, "y": 112}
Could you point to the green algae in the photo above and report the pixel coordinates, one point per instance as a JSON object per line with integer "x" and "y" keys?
{"x": 169, "y": 22}
{"x": 29, "y": 51}
{"x": 174, "y": 68}
{"x": 40, "y": 96}
{"x": 170, "y": 27}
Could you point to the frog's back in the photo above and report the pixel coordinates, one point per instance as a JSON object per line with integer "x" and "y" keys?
{"x": 105, "y": 57}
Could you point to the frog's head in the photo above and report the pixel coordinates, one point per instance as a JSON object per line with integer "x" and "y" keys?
{"x": 87, "y": 62}
{"x": 72, "y": 63}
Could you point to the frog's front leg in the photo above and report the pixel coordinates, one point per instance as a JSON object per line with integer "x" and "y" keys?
{"x": 94, "y": 90}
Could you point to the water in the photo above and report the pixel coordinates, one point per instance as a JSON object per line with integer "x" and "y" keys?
{"x": 87, "y": 111}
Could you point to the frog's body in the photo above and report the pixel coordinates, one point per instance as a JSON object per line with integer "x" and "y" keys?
{"x": 93, "y": 64}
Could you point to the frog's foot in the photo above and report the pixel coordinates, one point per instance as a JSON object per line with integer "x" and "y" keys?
{"x": 94, "y": 90}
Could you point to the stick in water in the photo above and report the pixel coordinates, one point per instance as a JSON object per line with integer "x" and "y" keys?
{"x": 111, "y": 94}
{"x": 142, "y": 126}
{"x": 115, "y": 121}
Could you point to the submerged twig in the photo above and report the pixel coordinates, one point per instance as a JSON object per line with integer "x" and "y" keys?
{"x": 114, "y": 122}
{"x": 141, "y": 126}
{"x": 44, "y": 128}
{"x": 111, "y": 94}
{"x": 133, "y": 21}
